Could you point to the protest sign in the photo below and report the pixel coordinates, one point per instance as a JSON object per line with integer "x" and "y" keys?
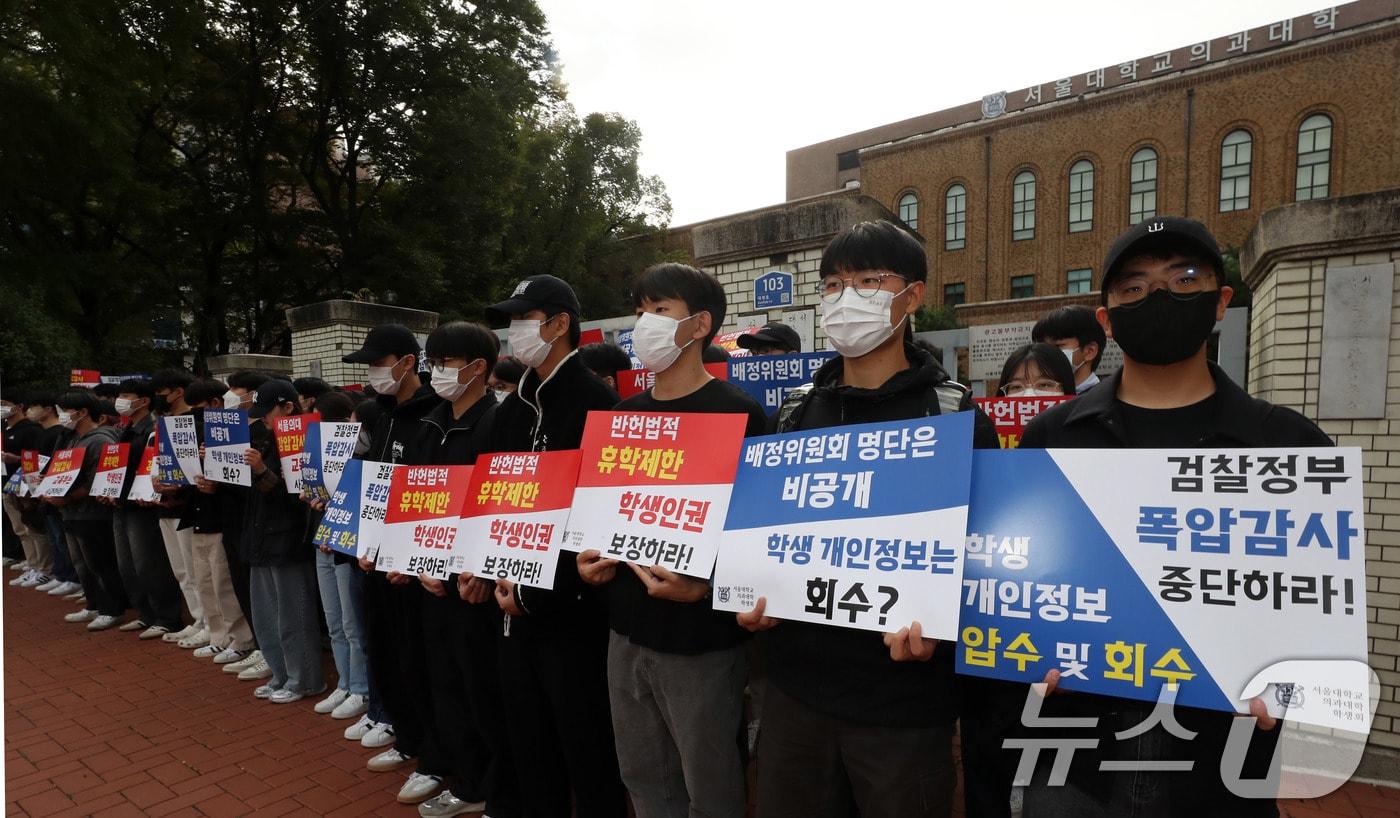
{"x": 375, "y": 480}
{"x": 340, "y": 524}
{"x": 31, "y": 467}
{"x": 226, "y": 439}
{"x": 177, "y": 451}
{"x": 110, "y": 476}
{"x": 856, "y": 526}
{"x": 769, "y": 378}
{"x": 328, "y": 447}
{"x": 143, "y": 488}
{"x": 420, "y": 522}
{"x": 290, "y": 433}
{"x": 1127, "y": 570}
{"x": 62, "y": 473}
{"x": 515, "y": 512}
{"x": 654, "y": 487}
{"x": 636, "y": 381}
{"x": 1011, "y": 414}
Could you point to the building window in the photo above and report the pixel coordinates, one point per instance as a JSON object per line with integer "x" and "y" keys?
{"x": 954, "y": 294}
{"x": 1236, "y": 158}
{"x": 848, "y": 160}
{"x": 1314, "y": 157}
{"x": 1022, "y": 286}
{"x": 1081, "y": 196}
{"x": 1080, "y": 282}
{"x": 1023, "y": 206}
{"x": 909, "y": 210}
{"x": 955, "y": 218}
{"x": 1142, "y": 190}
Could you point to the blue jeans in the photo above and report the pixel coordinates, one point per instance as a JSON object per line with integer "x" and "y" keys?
{"x": 343, "y": 623}
{"x": 63, "y": 567}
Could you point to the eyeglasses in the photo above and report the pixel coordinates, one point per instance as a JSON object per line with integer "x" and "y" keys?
{"x": 1131, "y": 289}
{"x": 1015, "y": 388}
{"x": 865, "y": 285}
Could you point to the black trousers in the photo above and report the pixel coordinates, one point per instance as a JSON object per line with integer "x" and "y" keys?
{"x": 465, "y": 686}
{"x": 811, "y": 765}
{"x": 93, "y": 538}
{"x": 398, "y": 662}
{"x": 560, "y": 723}
{"x": 145, "y": 567}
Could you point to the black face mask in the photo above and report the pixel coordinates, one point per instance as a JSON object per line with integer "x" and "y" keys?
{"x": 1163, "y": 328}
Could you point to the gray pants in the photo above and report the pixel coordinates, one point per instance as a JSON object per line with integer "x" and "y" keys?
{"x": 284, "y": 619}
{"x": 677, "y": 720}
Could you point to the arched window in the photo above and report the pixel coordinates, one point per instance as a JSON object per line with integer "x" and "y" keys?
{"x": 1236, "y": 157}
{"x": 1081, "y": 196}
{"x": 1142, "y": 186}
{"x": 955, "y": 218}
{"x": 909, "y": 210}
{"x": 1023, "y": 206}
{"x": 1314, "y": 157}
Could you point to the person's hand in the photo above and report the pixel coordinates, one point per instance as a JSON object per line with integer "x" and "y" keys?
{"x": 755, "y": 620}
{"x": 395, "y": 578}
{"x": 909, "y": 645}
{"x": 317, "y": 503}
{"x": 167, "y": 488}
{"x": 254, "y": 459}
{"x": 204, "y": 484}
{"x": 366, "y": 564}
{"x": 505, "y": 597}
{"x": 665, "y": 584}
{"x": 1260, "y": 711}
{"x": 432, "y": 585}
{"x": 325, "y": 549}
{"x": 1049, "y": 686}
{"x": 595, "y": 570}
{"x": 473, "y": 590}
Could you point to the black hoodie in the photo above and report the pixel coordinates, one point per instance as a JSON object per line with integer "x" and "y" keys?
{"x": 848, "y": 673}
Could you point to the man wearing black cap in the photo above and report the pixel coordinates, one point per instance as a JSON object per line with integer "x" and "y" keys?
{"x": 392, "y": 602}
{"x": 1163, "y": 291}
{"x": 554, "y": 643}
{"x": 775, "y": 338}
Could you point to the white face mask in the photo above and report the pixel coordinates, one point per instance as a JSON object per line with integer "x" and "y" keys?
{"x": 654, "y": 341}
{"x": 526, "y": 344}
{"x": 382, "y": 380}
{"x": 125, "y": 406}
{"x": 65, "y": 419}
{"x": 233, "y": 400}
{"x": 1069, "y": 356}
{"x": 1037, "y": 393}
{"x": 445, "y": 382}
{"x": 5, "y": 411}
{"x": 855, "y": 324}
{"x": 362, "y": 442}
{"x": 502, "y": 394}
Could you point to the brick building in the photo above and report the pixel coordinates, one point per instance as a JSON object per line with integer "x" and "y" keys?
{"x": 1019, "y": 196}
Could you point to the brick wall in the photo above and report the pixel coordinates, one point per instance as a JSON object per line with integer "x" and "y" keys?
{"x": 738, "y": 277}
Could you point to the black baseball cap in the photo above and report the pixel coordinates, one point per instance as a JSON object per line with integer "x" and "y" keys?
{"x": 774, "y": 334}
{"x": 385, "y": 339}
{"x": 1160, "y": 234}
{"x": 541, "y": 292}
{"x": 270, "y": 394}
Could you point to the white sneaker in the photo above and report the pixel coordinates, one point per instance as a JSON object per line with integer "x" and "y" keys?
{"x": 243, "y": 664}
{"x": 184, "y": 633}
{"x": 65, "y": 588}
{"x": 285, "y": 696}
{"x": 20, "y": 566}
{"x": 332, "y": 701}
{"x": 229, "y": 655}
{"x": 382, "y": 735}
{"x": 265, "y": 691}
{"x": 207, "y": 652}
{"x": 352, "y": 706}
{"x": 47, "y": 586}
{"x": 22, "y": 578}
{"x": 102, "y": 623}
{"x": 85, "y": 615}
{"x": 388, "y": 760}
{"x": 77, "y": 596}
{"x": 446, "y": 805}
{"x": 357, "y": 731}
{"x": 259, "y": 671}
{"x": 133, "y": 625}
{"x": 153, "y": 632}
{"x": 35, "y": 581}
{"x": 198, "y": 639}
{"x": 418, "y": 788}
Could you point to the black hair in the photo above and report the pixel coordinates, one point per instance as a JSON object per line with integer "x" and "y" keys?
{"x": 1050, "y": 361}
{"x": 106, "y": 390}
{"x": 140, "y": 387}
{"x": 335, "y": 407}
{"x": 311, "y": 387}
{"x": 81, "y": 399}
{"x": 463, "y": 339}
{"x": 108, "y": 410}
{"x": 204, "y": 390}
{"x": 42, "y": 398}
{"x": 1075, "y": 322}
{"x": 368, "y": 412}
{"x": 700, "y": 291}
{"x": 170, "y": 379}
{"x": 930, "y": 348}
{"x": 714, "y": 355}
{"x": 248, "y": 380}
{"x": 509, "y": 370}
{"x": 15, "y": 396}
{"x": 878, "y": 245}
{"x": 605, "y": 359}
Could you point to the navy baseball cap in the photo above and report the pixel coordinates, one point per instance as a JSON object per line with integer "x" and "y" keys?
{"x": 385, "y": 339}
{"x": 539, "y": 292}
{"x": 1160, "y": 234}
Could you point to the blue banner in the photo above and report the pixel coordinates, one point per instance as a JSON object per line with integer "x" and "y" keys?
{"x": 226, "y": 438}
{"x": 768, "y": 378}
{"x": 340, "y": 525}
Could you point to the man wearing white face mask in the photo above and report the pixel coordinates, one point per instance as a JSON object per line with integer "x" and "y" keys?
{"x": 553, "y": 643}
{"x": 676, "y": 667}
{"x": 853, "y": 723}
{"x": 1077, "y": 334}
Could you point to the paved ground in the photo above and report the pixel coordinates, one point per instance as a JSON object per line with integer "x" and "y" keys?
{"x": 102, "y": 724}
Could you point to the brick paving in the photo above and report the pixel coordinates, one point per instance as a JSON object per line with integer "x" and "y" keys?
{"x": 103, "y": 724}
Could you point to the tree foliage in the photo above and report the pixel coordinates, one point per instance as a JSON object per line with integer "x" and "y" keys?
{"x": 217, "y": 161}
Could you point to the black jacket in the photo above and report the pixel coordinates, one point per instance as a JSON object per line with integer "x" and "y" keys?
{"x": 138, "y": 436}
{"x": 848, "y": 673}
{"x": 398, "y": 426}
{"x": 1095, "y": 420}
{"x": 549, "y": 416}
{"x": 275, "y": 523}
{"x": 442, "y": 440}
{"x": 26, "y": 434}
